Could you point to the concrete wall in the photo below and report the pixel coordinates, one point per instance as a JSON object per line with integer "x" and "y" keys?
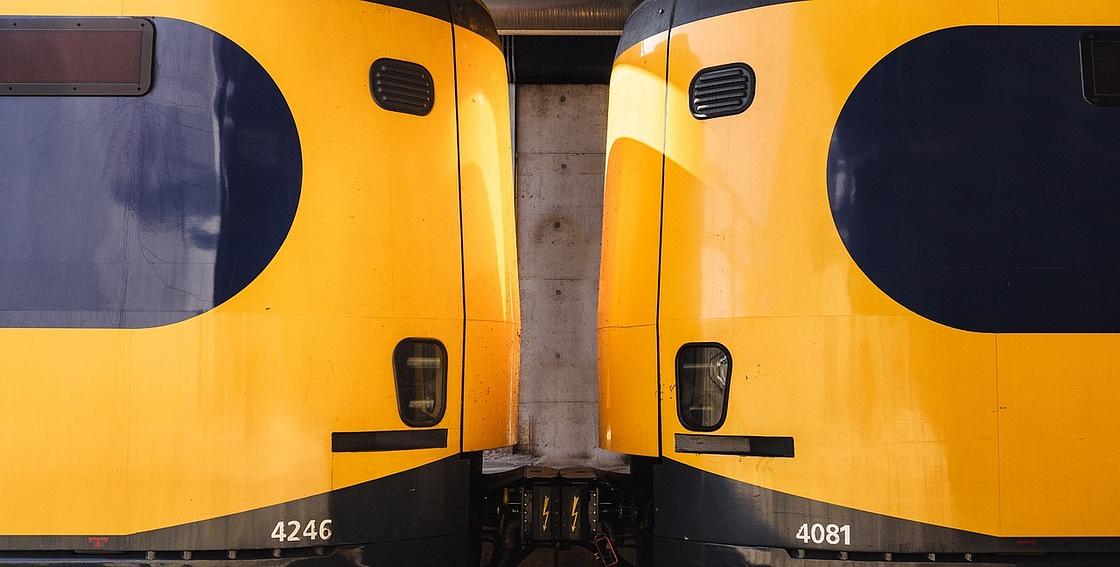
{"x": 560, "y": 146}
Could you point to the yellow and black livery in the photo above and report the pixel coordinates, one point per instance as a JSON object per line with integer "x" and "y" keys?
{"x": 258, "y": 282}
{"x": 858, "y": 279}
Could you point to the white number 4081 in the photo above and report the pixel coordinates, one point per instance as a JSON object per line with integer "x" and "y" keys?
{"x": 831, "y": 534}
{"x": 310, "y": 531}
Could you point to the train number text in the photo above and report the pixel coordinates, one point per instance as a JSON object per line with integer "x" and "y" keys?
{"x": 831, "y": 534}
{"x": 290, "y": 531}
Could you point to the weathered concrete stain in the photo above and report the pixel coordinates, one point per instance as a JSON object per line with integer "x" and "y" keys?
{"x": 561, "y": 147}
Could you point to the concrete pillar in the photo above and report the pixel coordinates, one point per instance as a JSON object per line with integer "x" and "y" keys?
{"x": 560, "y": 144}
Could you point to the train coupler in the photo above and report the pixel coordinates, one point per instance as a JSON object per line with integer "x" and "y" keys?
{"x": 543, "y": 507}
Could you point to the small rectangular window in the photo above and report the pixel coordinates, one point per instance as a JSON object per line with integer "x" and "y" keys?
{"x": 48, "y": 56}
{"x": 1100, "y": 65}
{"x": 703, "y": 380}
{"x": 420, "y": 370}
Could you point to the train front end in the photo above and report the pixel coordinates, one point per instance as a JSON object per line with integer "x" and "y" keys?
{"x": 858, "y": 265}
{"x": 257, "y": 288}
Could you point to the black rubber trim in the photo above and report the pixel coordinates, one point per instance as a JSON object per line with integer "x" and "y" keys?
{"x": 379, "y": 441}
{"x": 661, "y": 243}
{"x": 652, "y": 16}
{"x": 695, "y": 10}
{"x": 648, "y": 19}
{"x": 741, "y": 445}
{"x": 476, "y": 18}
{"x": 462, "y": 247}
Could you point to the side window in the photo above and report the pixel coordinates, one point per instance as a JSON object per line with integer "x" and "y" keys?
{"x": 703, "y": 381}
{"x": 401, "y": 86}
{"x": 420, "y": 371}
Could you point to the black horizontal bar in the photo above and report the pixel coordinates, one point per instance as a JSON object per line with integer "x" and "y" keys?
{"x": 742, "y": 445}
{"x": 373, "y": 441}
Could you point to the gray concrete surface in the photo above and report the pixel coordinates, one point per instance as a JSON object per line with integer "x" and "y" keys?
{"x": 560, "y": 144}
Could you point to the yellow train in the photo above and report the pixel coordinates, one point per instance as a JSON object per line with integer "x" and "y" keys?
{"x": 258, "y": 282}
{"x": 859, "y": 278}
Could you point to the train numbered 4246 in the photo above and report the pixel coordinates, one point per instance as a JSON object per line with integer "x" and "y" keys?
{"x": 258, "y": 280}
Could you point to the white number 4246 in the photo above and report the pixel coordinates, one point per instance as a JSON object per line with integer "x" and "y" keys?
{"x": 831, "y": 534}
{"x": 310, "y": 531}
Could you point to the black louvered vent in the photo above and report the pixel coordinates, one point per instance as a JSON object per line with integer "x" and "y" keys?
{"x": 401, "y": 86}
{"x": 721, "y": 91}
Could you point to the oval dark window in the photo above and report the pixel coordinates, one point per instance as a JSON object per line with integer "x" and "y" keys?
{"x": 703, "y": 381}
{"x": 420, "y": 372}
{"x": 972, "y": 182}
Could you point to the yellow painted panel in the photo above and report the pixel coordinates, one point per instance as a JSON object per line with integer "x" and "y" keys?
{"x": 1003, "y": 435}
{"x": 748, "y": 227}
{"x": 891, "y": 413}
{"x": 1057, "y": 429}
{"x": 491, "y": 385}
{"x": 371, "y": 183}
{"x": 65, "y": 429}
{"x": 1059, "y": 434}
{"x": 134, "y": 430}
{"x": 258, "y": 418}
{"x": 631, "y": 240}
{"x": 1059, "y": 12}
{"x": 489, "y": 244}
{"x": 628, "y": 390}
{"x": 632, "y": 199}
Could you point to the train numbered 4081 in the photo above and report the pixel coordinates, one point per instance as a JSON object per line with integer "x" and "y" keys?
{"x": 258, "y": 282}
{"x": 859, "y": 279}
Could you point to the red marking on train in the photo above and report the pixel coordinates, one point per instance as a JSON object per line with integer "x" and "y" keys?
{"x": 1026, "y": 541}
{"x": 98, "y": 542}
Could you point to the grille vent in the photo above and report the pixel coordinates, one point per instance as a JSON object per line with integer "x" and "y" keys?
{"x": 721, "y": 91}
{"x": 401, "y": 86}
